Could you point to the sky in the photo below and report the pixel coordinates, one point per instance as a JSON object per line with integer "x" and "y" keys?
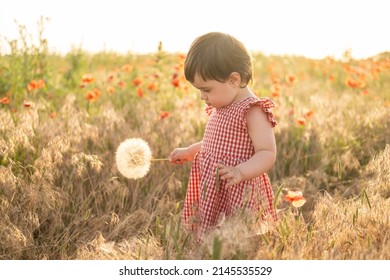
{"x": 311, "y": 28}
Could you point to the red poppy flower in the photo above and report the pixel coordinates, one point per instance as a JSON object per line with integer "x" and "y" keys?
{"x": 5, "y": 100}
{"x": 152, "y": 86}
{"x": 122, "y": 84}
{"x": 140, "y": 92}
{"x": 137, "y": 81}
{"x": 308, "y": 113}
{"x": 127, "y": 68}
{"x": 90, "y": 96}
{"x": 87, "y": 79}
{"x": 301, "y": 121}
{"x": 35, "y": 84}
{"x": 93, "y": 95}
{"x": 110, "y": 89}
{"x": 290, "y": 79}
{"x": 164, "y": 115}
{"x": 27, "y": 104}
{"x": 352, "y": 83}
{"x": 295, "y": 198}
{"x": 176, "y": 82}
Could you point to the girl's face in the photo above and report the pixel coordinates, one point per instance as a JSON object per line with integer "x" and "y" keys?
{"x": 215, "y": 93}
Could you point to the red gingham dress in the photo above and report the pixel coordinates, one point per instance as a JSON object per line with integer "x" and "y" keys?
{"x": 226, "y": 140}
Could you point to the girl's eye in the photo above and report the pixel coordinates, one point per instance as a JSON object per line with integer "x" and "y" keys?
{"x": 205, "y": 90}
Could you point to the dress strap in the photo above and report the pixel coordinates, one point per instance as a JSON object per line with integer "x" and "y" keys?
{"x": 265, "y": 103}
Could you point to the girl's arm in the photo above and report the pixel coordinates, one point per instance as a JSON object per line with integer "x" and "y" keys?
{"x": 182, "y": 155}
{"x": 263, "y": 139}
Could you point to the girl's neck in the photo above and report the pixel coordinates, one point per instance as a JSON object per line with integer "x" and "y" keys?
{"x": 242, "y": 94}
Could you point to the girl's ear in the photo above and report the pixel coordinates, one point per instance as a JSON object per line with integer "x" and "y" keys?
{"x": 235, "y": 79}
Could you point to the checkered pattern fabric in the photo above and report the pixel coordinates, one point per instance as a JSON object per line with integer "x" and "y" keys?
{"x": 226, "y": 140}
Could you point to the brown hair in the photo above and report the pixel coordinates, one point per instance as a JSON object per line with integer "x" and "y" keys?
{"x": 215, "y": 55}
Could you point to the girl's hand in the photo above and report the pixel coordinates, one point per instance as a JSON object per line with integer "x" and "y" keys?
{"x": 180, "y": 156}
{"x": 229, "y": 173}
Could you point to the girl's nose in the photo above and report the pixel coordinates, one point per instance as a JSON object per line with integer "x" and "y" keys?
{"x": 202, "y": 96}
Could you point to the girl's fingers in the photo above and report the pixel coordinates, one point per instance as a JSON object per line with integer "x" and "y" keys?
{"x": 226, "y": 173}
{"x": 227, "y": 176}
{"x": 172, "y": 157}
{"x": 222, "y": 172}
{"x": 219, "y": 166}
{"x": 175, "y": 160}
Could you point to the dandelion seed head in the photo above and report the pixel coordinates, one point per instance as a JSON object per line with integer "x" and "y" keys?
{"x": 133, "y": 158}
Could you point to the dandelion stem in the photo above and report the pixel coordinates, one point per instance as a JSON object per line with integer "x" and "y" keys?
{"x": 159, "y": 159}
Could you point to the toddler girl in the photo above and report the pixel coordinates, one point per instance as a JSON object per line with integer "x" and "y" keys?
{"x": 229, "y": 165}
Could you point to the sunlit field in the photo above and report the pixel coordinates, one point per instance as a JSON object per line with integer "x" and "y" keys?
{"x": 62, "y": 118}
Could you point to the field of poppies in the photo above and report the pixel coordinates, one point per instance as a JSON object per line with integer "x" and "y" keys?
{"x": 62, "y": 118}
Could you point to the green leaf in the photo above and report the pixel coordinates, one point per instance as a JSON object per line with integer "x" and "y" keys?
{"x": 216, "y": 179}
{"x": 204, "y": 189}
{"x": 217, "y": 248}
{"x": 278, "y": 191}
